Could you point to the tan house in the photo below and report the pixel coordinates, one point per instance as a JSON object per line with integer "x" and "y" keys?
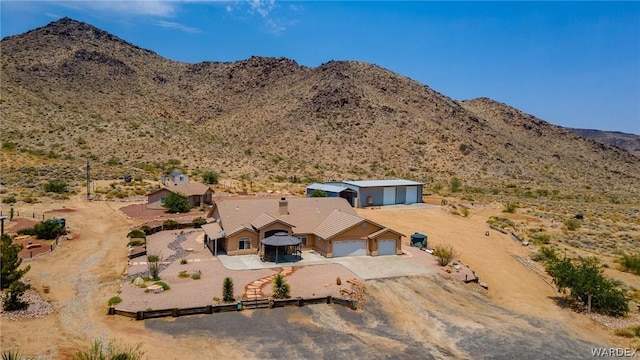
{"x": 196, "y": 193}
{"x": 328, "y": 225}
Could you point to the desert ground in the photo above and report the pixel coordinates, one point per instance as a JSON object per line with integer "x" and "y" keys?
{"x": 426, "y": 316}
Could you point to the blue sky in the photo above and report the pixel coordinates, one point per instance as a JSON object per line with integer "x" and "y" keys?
{"x": 574, "y": 64}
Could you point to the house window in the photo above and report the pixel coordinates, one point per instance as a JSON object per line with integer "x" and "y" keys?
{"x": 244, "y": 243}
{"x": 303, "y": 238}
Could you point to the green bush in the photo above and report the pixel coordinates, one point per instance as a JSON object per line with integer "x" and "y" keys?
{"x": 280, "y": 287}
{"x": 227, "y": 290}
{"x": 630, "y": 263}
{"x": 147, "y": 230}
{"x": 572, "y": 224}
{"x": 198, "y": 222}
{"x": 510, "y": 207}
{"x": 541, "y": 239}
{"x": 99, "y": 351}
{"x": 455, "y": 184}
{"x": 115, "y": 300}
{"x": 55, "y": 186}
{"x": 46, "y": 230}
{"x": 586, "y": 279}
{"x": 9, "y": 199}
{"x": 136, "y": 242}
{"x": 136, "y": 234}
{"x": 210, "y": 177}
{"x": 170, "y": 224}
{"x": 545, "y": 254}
{"x": 164, "y": 285}
{"x": 318, "y": 193}
{"x": 196, "y": 276}
{"x": 176, "y": 203}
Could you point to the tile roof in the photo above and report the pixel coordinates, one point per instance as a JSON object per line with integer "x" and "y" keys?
{"x": 188, "y": 189}
{"x": 213, "y": 230}
{"x": 382, "y": 231}
{"x": 336, "y": 223}
{"x": 304, "y": 214}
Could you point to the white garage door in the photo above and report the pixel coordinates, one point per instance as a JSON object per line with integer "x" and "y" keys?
{"x": 386, "y": 247}
{"x": 349, "y": 248}
{"x": 412, "y": 194}
{"x": 389, "y": 196}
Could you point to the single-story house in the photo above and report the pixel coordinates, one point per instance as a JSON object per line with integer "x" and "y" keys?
{"x": 373, "y": 192}
{"x": 196, "y": 193}
{"x": 328, "y": 225}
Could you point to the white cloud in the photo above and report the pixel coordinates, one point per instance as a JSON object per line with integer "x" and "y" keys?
{"x": 178, "y": 26}
{"x": 139, "y": 7}
{"x": 262, "y": 7}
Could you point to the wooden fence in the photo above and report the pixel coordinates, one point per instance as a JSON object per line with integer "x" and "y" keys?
{"x": 246, "y": 304}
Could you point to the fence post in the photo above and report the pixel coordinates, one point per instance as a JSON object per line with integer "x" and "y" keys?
{"x": 209, "y": 309}
{"x": 112, "y": 311}
{"x": 329, "y": 299}
{"x": 50, "y": 247}
{"x": 174, "y": 312}
{"x": 42, "y": 217}
{"x": 30, "y": 254}
{"x": 140, "y": 315}
{"x": 299, "y": 301}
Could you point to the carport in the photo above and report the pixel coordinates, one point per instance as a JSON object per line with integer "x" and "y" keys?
{"x": 280, "y": 245}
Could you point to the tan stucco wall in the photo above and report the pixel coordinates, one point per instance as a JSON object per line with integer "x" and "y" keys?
{"x": 232, "y": 243}
{"x": 153, "y": 200}
{"x": 373, "y": 243}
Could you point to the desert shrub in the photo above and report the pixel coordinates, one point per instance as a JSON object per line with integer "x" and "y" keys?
{"x": 198, "y": 222}
{"x": 136, "y": 234}
{"x": 465, "y": 212}
{"x": 227, "y": 290}
{"x": 628, "y": 332}
{"x": 7, "y": 145}
{"x": 13, "y": 355}
{"x": 572, "y": 224}
{"x": 510, "y": 207}
{"x": 136, "y": 242}
{"x": 153, "y": 257}
{"x": 630, "y": 263}
{"x": 541, "y": 239}
{"x": 196, "y": 276}
{"x": 99, "y": 351}
{"x": 164, "y": 285}
{"x": 183, "y": 274}
{"x": 455, "y": 184}
{"x": 170, "y": 224}
{"x": 586, "y": 279}
{"x": 147, "y": 230}
{"x": 183, "y": 261}
{"x": 338, "y": 281}
{"x": 9, "y": 199}
{"x": 444, "y": 254}
{"x": 280, "y": 287}
{"x": 55, "y": 186}
{"x": 500, "y": 222}
{"x": 115, "y": 300}
{"x": 545, "y": 254}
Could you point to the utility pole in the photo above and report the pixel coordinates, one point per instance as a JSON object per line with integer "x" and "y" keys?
{"x": 88, "y": 181}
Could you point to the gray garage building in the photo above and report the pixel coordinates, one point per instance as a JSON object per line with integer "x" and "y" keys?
{"x": 373, "y": 192}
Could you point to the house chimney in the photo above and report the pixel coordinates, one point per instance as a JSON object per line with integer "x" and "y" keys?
{"x": 283, "y": 207}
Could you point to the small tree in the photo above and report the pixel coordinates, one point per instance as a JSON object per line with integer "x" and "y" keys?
{"x": 280, "y": 287}
{"x": 48, "y": 229}
{"x": 210, "y": 177}
{"x": 227, "y": 290}
{"x": 10, "y": 262}
{"x": 176, "y": 203}
{"x": 10, "y": 275}
{"x": 444, "y": 254}
{"x": 455, "y": 184}
{"x": 572, "y": 224}
{"x": 318, "y": 193}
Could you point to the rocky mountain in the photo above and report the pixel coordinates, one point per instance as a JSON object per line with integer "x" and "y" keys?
{"x": 629, "y": 142}
{"x": 72, "y": 92}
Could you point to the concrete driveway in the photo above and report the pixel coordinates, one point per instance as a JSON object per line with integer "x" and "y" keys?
{"x": 366, "y": 267}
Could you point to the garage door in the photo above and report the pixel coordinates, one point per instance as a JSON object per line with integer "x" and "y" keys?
{"x": 389, "y": 196}
{"x": 412, "y": 194}
{"x": 349, "y": 248}
{"x": 386, "y": 247}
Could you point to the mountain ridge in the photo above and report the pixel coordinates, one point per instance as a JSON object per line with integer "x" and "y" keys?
{"x": 96, "y": 96}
